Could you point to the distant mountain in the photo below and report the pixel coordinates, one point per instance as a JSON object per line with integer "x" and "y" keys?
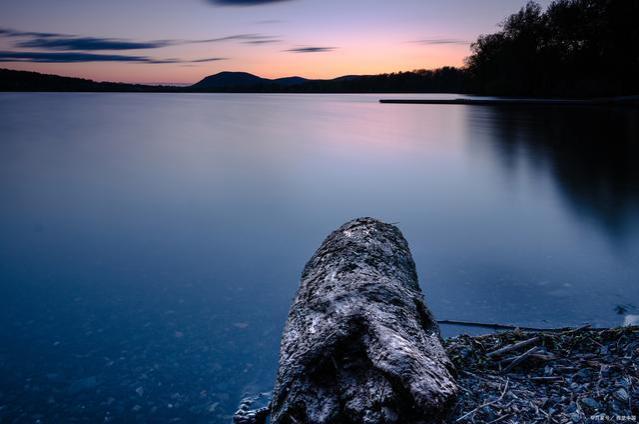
{"x": 452, "y": 80}
{"x": 446, "y": 79}
{"x": 349, "y": 77}
{"x": 229, "y": 80}
{"x": 290, "y": 81}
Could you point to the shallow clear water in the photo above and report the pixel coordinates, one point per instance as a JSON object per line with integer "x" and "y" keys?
{"x": 151, "y": 244}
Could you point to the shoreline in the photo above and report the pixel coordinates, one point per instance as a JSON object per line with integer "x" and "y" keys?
{"x": 577, "y": 375}
{"x": 569, "y": 375}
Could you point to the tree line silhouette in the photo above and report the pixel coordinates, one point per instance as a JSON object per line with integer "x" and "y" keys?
{"x": 443, "y": 80}
{"x": 573, "y": 48}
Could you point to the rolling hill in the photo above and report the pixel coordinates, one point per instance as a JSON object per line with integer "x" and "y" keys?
{"x": 435, "y": 81}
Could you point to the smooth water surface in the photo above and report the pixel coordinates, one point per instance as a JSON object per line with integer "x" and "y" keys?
{"x": 151, "y": 244}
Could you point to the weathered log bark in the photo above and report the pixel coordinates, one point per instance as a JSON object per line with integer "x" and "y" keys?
{"x": 360, "y": 346}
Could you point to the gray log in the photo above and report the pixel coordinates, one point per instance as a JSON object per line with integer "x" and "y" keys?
{"x": 360, "y": 346}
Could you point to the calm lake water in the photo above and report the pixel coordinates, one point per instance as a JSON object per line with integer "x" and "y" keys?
{"x": 151, "y": 244}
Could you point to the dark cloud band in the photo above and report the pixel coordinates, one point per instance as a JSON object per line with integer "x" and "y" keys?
{"x": 41, "y": 57}
{"x": 68, "y": 57}
{"x": 208, "y": 59}
{"x": 311, "y": 49}
{"x": 68, "y": 42}
{"x": 265, "y": 41}
{"x": 13, "y": 33}
{"x": 244, "y": 38}
{"x": 89, "y": 43}
{"x": 434, "y": 41}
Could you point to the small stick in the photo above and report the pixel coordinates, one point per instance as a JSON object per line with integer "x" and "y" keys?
{"x": 499, "y": 419}
{"x": 485, "y": 404}
{"x": 508, "y": 326}
{"x": 547, "y": 415}
{"x": 521, "y": 358}
{"x": 578, "y": 329}
{"x": 514, "y": 346}
{"x": 552, "y": 379}
{"x": 542, "y": 357}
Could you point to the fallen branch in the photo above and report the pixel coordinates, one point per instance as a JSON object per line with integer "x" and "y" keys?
{"x": 512, "y": 327}
{"x": 519, "y": 359}
{"x": 485, "y": 404}
{"x": 549, "y": 379}
{"x": 514, "y": 346}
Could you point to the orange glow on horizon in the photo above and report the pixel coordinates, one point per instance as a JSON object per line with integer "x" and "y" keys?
{"x": 358, "y": 59}
{"x": 177, "y": 42}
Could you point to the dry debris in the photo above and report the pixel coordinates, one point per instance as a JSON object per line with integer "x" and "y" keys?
{"x": 581, "y": 375}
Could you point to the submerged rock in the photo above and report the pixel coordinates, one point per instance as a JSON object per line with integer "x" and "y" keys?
{"x": 253, "y": 409}
{"x": 360, "y": 345}
{"x": 631, "y": 320}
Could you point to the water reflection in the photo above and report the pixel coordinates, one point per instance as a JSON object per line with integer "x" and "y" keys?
{"x": 591, "y": 155}
{"x": 151, "y": 244}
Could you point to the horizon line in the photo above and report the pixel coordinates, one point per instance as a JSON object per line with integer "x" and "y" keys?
{"x": 181, "y": 84}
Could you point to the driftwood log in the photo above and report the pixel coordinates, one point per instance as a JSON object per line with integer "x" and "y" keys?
{"x": 360, "y": 345}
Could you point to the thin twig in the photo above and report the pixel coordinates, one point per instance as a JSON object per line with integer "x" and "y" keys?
{"x": 549, "y": 379}
{"x": 521, "y": 358}
{"x": 510, "y": 327}
{"x": 485, "y": 404}
{"x": 499, "y": 419}
{"x": 514, "y": 346}
{"x": 578, "y": 329}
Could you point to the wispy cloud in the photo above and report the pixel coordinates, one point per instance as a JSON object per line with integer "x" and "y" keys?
{"x": 266, "y": 41}
{"x": 77, "y": 57}
{"x": 311, "y": 49}
{"x": 244, "y": 38}
{"x": 6, "y": 56}
{"x": 432, "y": 41}
{"x": 54, "y": 42}
{"x": 208, "y": 59}
{"x": 13, "y": 33}
{"x": 70, "y": 42}
{"x": 243, "y": 2}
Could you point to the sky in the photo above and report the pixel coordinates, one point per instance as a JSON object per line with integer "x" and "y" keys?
{"x": 182, "y": 41}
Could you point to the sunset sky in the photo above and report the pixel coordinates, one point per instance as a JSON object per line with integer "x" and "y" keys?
{"x": 171, "y": 41}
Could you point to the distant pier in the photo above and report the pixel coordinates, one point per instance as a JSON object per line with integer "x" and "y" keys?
{"x": 627, "y": 101}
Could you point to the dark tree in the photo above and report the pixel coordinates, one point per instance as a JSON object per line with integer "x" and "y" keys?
{"x": 574, "y": 48}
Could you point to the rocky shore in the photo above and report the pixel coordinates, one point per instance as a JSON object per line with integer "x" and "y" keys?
{"x": 574, "y": 376}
